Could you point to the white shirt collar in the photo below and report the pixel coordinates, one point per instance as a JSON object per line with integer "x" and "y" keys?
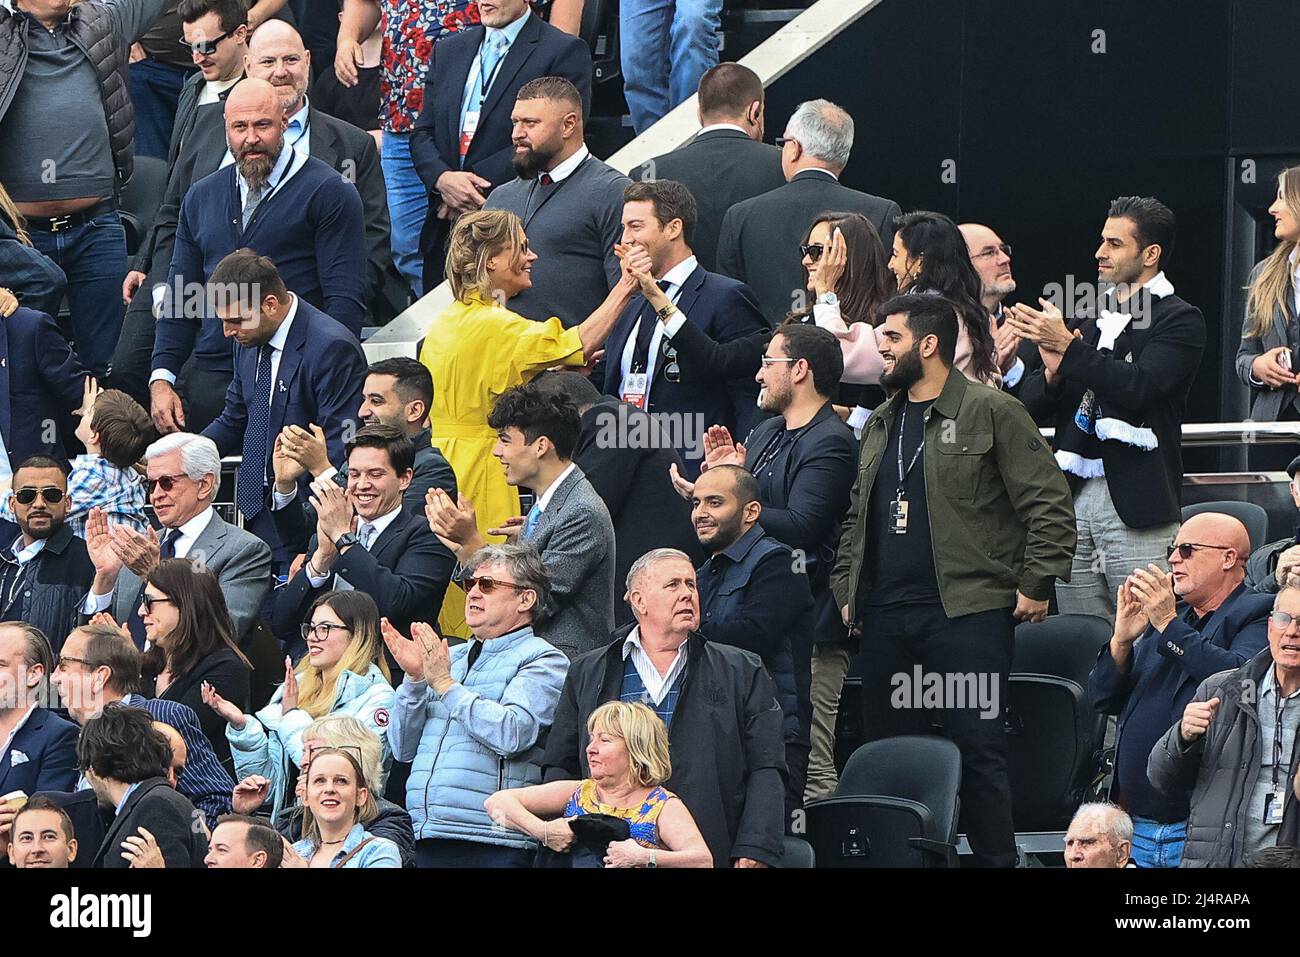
{"x": 301, "y": 116}
{"x": 678, "y": 275}
{"x": 381, "y": 523}
{"x": 18, "y": 727}
{"x": 723, "y": 126}
{"x": 817, "y": 169}
{"x": 25, "y": 553}
{"x": 195, "y": 527}
{"x": 281, "y": 336}
{"x": 545, "y": 498}
{"x": 217, "y": 87}
{"x": 565, "y": 169}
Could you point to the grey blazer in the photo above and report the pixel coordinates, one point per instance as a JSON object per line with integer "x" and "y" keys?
{"x": 575, "y": 538}
{"x": 1265, "y": 403}
{"x": 240, "y": 560}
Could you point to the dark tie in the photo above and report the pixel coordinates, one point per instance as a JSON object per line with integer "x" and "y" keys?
{"x": 134, "y": 624}
{"x": 644, "y": 333}
{"x": 168, "y": 547}
{"x": 252, "y": 468}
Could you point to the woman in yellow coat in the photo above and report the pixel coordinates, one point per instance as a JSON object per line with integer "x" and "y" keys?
{"x": 477, "y": 348}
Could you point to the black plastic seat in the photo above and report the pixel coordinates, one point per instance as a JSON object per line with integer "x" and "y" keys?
{"x": 798, "y": 853}
{"x": 1248, "y": 513}
{"x": 138, "y": 205}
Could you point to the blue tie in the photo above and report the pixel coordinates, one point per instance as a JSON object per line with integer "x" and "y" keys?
{"x": 250, "y": 497}
{"x": 530, "y": 523}
{"x": 494, "y": 48}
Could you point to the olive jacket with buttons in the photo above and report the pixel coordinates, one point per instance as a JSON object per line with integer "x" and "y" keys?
{"x": 1001, "y": 514}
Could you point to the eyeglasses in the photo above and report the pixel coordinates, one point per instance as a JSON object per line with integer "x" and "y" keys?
{"x": 321, "y": 629}
{"x": 65, "y": 660}
{"x": 812, "y": 250}
{"x": 1185, "y": 549}
{"x": 165, "y": 482}
{"x": 52, "y": 494}
{"x": 769, "y": 360}
{"x": 672, "y": 371}
{"x": 1281, "y": 620}
{"x": 148, "y": 601}
{"x": 488, "y": 585}
{"x": 993, "y": 251}
{"x": 782, "y": 140}
{"x": 204, "y": 47}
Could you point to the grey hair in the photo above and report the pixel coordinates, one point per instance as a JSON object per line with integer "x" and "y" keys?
{"x": 824, "y": 130}
{"x": 525, "y": 566}
{"x": 1292, "y": 583}
{"x": 1112, "y": 820}
{"x": 653, "y": 557}
{"x": 199, "y": 455}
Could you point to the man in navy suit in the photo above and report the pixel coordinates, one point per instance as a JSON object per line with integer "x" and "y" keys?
{"x": 279, "y": 380}
{"x": 41, "y": 383}
{"x": 1157, "y": 658}
{"x": 641, "y": 365}
{"x": 38, "y": 749}
{"x": 461, "y": 143}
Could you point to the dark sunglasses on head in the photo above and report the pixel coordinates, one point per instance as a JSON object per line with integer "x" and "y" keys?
{"x": 148, "y": 601}
{"x": 204, "y": 47}
{"x": 1185, "y": 549}
{"x": 812, "y": 250}
{"x": 165, "y": 482}
{"x": 487, "y": 585}
{"x": 52, "y": 494}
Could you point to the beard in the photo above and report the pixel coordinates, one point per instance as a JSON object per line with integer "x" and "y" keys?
{"x": 770, "y": 400}
{"x": 256, "y": 171}
{"x": 290, "y": 97}
{"x": 37, "y": 532}
{"x": 530, "y": 163}
{"x": 907, "y": 371}
{"x": 1001, "y": 289}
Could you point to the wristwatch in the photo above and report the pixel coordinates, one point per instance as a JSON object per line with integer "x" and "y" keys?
{"x": 828, "y": 299}
{"x": 344, "y": 540}
{"x": 651, "y": 861}
{"x": 666, "y": 312}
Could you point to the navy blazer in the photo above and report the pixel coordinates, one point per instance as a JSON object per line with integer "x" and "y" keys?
{"x": 724, "y": 310}
{"x": 41, "y": 382}
{"x": 42, "y": 756}
{"x": 319, "y": 381}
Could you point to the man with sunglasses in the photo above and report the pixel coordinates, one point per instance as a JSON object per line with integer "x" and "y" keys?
{"x": 44, "y": 568}
{"x": 1156, "y": 658}
{"x": 1234, "y": 748}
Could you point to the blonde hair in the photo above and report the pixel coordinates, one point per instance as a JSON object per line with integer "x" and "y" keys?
{"x": 475, "y": 239}
{"x": 345, "y": 731}
{"x": 1271, "y": 289}
{"x": 644, "y": 735}
{"x": 365, "y": 812}
{"x": 318, "y": 689}
{"x": 15, "y": 218}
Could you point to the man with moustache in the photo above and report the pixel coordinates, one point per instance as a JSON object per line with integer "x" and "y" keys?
{"x": 959, "y": 525}
{"x": 991, "y": 258}
{"x": 284, "y": 204}
{"x": 571, "y": 204}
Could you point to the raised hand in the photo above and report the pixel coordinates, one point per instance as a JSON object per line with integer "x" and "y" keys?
{"x": 1154, "y": 588}
{"x": 407, "y": 653}
{"x": 104, "y": 618}
{"x": 684, "y": 488}
{"x": 308, "y": 449}
{"x": 455, "y": 523}
{"x": 334, "y": 511}
{"x": 138, "y": 552}
{"x": 141, "y": 850}
{"x": 1196, "y": 718}
{"x": 1130, "y": 616}
{"x": 289, "y": 699}
{"x": 250, "y": 794}
{"x": 435, "y": 656}
{"x": 719, "y": 449}
{"x": 230, "y": 713}
{"x": 287, "y": 469}
{"x": 99, "y": 545}
{"x": 830, "y": 268}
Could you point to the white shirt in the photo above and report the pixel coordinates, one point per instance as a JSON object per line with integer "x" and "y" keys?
{"x": 379, "y": 524}
{"x": 723, "y": 126}
{"x": 277, "y": 341}
{"x": 544, "y": 499}
{"x": 657, "y": 686}
{"x": 212, "y": 90}
{"x": 188, "y": 535}
{"x": 25, "y": 553}
{"x": 14, "y": 733}
{"x": 565, "y": 169}
{"x": 1295, "y": 279}
{"x": 675, "y": 277}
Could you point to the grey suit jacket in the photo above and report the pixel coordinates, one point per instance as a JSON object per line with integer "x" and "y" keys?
{"x": 1266, "y": 403}
{"x": 575, "y": 538}
{"x": 240, "y": 560}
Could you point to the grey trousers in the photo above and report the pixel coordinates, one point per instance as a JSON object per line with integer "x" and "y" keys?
{"x": 830, "y": 664}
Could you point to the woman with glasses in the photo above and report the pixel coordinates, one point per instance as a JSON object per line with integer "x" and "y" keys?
{"x": 191, "y": 644}
{"x": 343, "y": 672}
{"x": 477, "y": 348}
{"x": 930, "y": 255}
{"x": 339, "y": 805}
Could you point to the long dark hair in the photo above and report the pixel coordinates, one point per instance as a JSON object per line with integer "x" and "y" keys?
{"x": 203, "y": 624}
{"x": 946, "y": 269}
{"x": 867, "y": 281}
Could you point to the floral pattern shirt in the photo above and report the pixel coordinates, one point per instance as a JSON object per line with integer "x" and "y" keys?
{"x": 411, "y": 27}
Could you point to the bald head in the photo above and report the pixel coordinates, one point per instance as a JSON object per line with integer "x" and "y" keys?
{"x": 1217, "y": 547}
{"x": 251, "y": 93}
{"x": 991, "y": 262}
{"x": 1216, "y": 528}
{"x": 255, "y": 123}
{"x": 276, "y": 54}
{"x": 180, "y": 753}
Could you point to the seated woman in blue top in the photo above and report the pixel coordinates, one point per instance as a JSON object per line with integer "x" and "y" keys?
{"x": 629, "y": 761}
{"x": 343, "y": 672}
{"x": 339, "y": 805}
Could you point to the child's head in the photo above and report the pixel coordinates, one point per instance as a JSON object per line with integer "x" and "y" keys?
{"x": 118, "y": 429}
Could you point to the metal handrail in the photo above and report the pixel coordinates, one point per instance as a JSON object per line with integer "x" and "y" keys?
{"x": 1206, "y": 434}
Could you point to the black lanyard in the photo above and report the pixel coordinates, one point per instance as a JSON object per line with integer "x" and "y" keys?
{"x": 1279, "y": 709}
{"x": 902, "y": 430}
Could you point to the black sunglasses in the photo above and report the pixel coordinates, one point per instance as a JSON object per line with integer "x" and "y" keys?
{"x": 52, "y": 494}
{"x": 205, "y": 47}
{"x": 488, "y": 585}
{"x": 165, "y": 482}
{"x": 812, "y": 250}
{"x": 148, "y": 601}
{"x": 1185, "y": 549}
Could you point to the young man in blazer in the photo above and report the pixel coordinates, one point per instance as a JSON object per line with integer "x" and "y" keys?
{"x": 40, "y": 753}
{"x": 293, "y": 366}
{"x": 461, "y": 143}
{"x": 1115, "y": 384}
{"x": 641, "y": 365}
{"x": 364, "y": 539}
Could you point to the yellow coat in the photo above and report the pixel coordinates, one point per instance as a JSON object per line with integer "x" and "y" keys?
{"x": 475, "y": 351}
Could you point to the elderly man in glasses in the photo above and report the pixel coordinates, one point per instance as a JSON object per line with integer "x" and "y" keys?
{"x": 44, "y": 568}
{"x": 1234, "y": 747}
{"x": 470, "y": 719}
{"x": 1157, "y": 657}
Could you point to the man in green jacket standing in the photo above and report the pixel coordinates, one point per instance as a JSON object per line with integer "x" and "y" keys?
{"x": 959, "y": 525}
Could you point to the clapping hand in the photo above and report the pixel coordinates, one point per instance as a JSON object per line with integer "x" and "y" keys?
{"x": 287, "y": 469}
{"x": 99, "y": 545}
{"x": 510, "y": 528}
{"x": 408, "y": 655}
{"x": 435, "y": 656}
{"x": 140, "y": 552}
{"x": 104, "y": 618}
{"x": 1044, "y": 326}
{"x": 1154, "y": 588}
{"x": 308, "y": 449}
{"x": 228, "y": 711}
{"x": 334, "y": 511}
{"x": 719, "y": 449}
{"x": 8, "y": 302}
{"x": 1130, "y": 616}
{"x": 455, "y": 523}
{"x": 289, "y": 698}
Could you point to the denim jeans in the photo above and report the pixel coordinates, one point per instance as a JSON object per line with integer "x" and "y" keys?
{"x": 408, "y": 204}
{"x": 665, "y": 47}
{"x": 93, "y": 256}
{"x": 155, "y": 91}
{"x": 1156, "y": 844}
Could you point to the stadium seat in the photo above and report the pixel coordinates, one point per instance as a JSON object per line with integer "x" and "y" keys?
{"x": 896, "y": 806}
{"x": 1248, "y": 513}
{"x": 1054, "y": 736}
{"x": 798, "y": 854}
{"x": 141, "y": 199}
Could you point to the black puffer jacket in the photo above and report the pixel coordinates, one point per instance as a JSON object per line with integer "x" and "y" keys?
{"x": 98, "y": 28}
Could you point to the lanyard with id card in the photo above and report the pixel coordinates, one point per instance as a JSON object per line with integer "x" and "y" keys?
{"x": 1275, "y": 799}
{"x": 898, "y": 507}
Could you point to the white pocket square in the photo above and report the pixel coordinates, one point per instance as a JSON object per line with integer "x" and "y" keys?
{"x": 17, "y": 757}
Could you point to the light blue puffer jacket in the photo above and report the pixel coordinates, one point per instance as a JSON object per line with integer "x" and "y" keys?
{"x": 271, "y": 739}
{"x": 480, "y": 737}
